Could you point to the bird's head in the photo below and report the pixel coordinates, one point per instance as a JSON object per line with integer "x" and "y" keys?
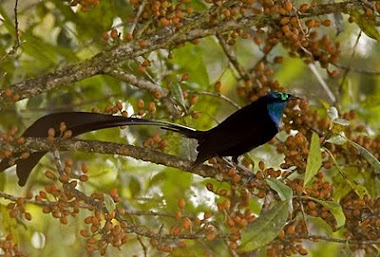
{"x": 276, "y": 102}
{"x": 280, "y": 96}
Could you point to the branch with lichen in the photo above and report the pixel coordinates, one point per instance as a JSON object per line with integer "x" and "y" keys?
{"x": 163, "y": 39}
{"x": 140, "y": 153}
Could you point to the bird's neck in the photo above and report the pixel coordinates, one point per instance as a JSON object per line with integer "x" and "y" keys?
{"x": 275, "y": 111}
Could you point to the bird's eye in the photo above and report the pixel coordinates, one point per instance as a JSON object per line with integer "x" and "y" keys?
{"x": 283, "y": 96}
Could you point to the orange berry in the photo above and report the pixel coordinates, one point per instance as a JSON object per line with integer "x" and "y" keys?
{"x": 152, "y": 107}
{"x": 157, "y": 94}
{"x": 185, "y": 77}
{"x": 164, "y": 21}
{"x": 278, "y": 59}
{"x": 140, "y": 103}
{"x": 105, "y": 36}
{"x": 288, "y": 6}
{"x": 194, "y": 99}
{"x": 15, "y": 97}
{"x": 62, "y": 127}
{"x": 84, "y": 168}
{"x": 128, "y": 37}
{"x": 8, "y": 92}
{"x": 25, "y": 155}
{"x": 211, "y": 236}
{"x": 21, "y": 140}
{"x": 83, "y": 178}
{"x": 68, "y": 134}
{"x": 114, "y": 34}
{"x": 304, "y": 8}
{"x": 187, "y": 224}
{"x": 326, "y": 23}
{"x": 142, "y": 44}
{"x": 181, "y": 203}
{"x": 291, "y": 229}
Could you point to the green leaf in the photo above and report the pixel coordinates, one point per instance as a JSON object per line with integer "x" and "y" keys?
{"x": 335, "y": 209}
{"x": 109, "y": 203}
{"x": 325, "y": 105}
{"x": 342, "y": 122}
{"x": 265, "y": 228}
{"x": 319, "y": 224}
{"x": 337, "y": 139}
{"x": 314, "y": 160}
{"x": 177, "y": 93}
{"x": 359, "y": 189}
{"x": 134, "y": 186}
{"x": 332, "y": 112}
{"x": 285, "y": 192}
{"x": 368, "y": 26}
{"x": 368, "y": 156}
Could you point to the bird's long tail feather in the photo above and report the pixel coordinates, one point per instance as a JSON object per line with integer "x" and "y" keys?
{"x": 79, "y": 123}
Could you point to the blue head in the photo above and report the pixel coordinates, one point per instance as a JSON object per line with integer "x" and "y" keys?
{"x": 276, "y": 102}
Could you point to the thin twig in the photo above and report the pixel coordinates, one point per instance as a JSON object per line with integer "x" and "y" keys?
{"x": 358, "y": 70}
{"x": 138, "y": 15}
{"x": 219, "y": 95}
{"x": 322, "y": 82}
{"x": 134, "y": 80}
{"x": 17, "y": 43}
{"x": 17, "y": 33}
{"x": 58, "y": 162}
{"x": 333, "y": 240}
{"x": 344, "y": 77}
{"x": 232, "y": 58}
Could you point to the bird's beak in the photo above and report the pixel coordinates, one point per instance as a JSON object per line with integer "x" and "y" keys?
{"x": 292, "y": 97}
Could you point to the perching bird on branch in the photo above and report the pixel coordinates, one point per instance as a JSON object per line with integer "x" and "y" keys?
{"x": 247, "y": 128}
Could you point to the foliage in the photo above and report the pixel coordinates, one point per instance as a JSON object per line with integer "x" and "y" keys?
{"x": 313, "y": 190}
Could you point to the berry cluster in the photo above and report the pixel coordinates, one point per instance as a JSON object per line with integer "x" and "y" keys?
{"x": 9, "y": 248}
{"x": 363, "y": 220}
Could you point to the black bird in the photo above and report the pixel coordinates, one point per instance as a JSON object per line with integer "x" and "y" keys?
{"x": 247, "y": 128}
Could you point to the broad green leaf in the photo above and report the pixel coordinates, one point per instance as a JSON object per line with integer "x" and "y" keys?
{"x": 332, "y": 112}
{"x": 368, "y": 26}
{"x": 342, "y": 122}
{"x": 337, "y": 139}
{"x": 341, "y": 187}
{"x": 177, "y": 93}
{"x": 134, "y": 185}
{"x": 265, "y": 228}
{"x": 109, "y": 203}
{"x": 359, "y": 189}
{"x": 335, "y": 209}
{"x": 368, "y": 156}
{"x": 314, "y": 160}
{"x": 320, "y": 224}
{"x": 285, "y": 192}
{"x": 325, "y": 105}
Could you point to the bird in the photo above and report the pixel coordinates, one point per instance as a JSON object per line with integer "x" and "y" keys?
{"x": 249, "y": 127}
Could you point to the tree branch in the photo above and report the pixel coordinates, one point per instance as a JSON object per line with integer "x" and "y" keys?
{"x": 165, "y": 38}
{"x": 134, "y": 80}
{"x": 141, "y": 153}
